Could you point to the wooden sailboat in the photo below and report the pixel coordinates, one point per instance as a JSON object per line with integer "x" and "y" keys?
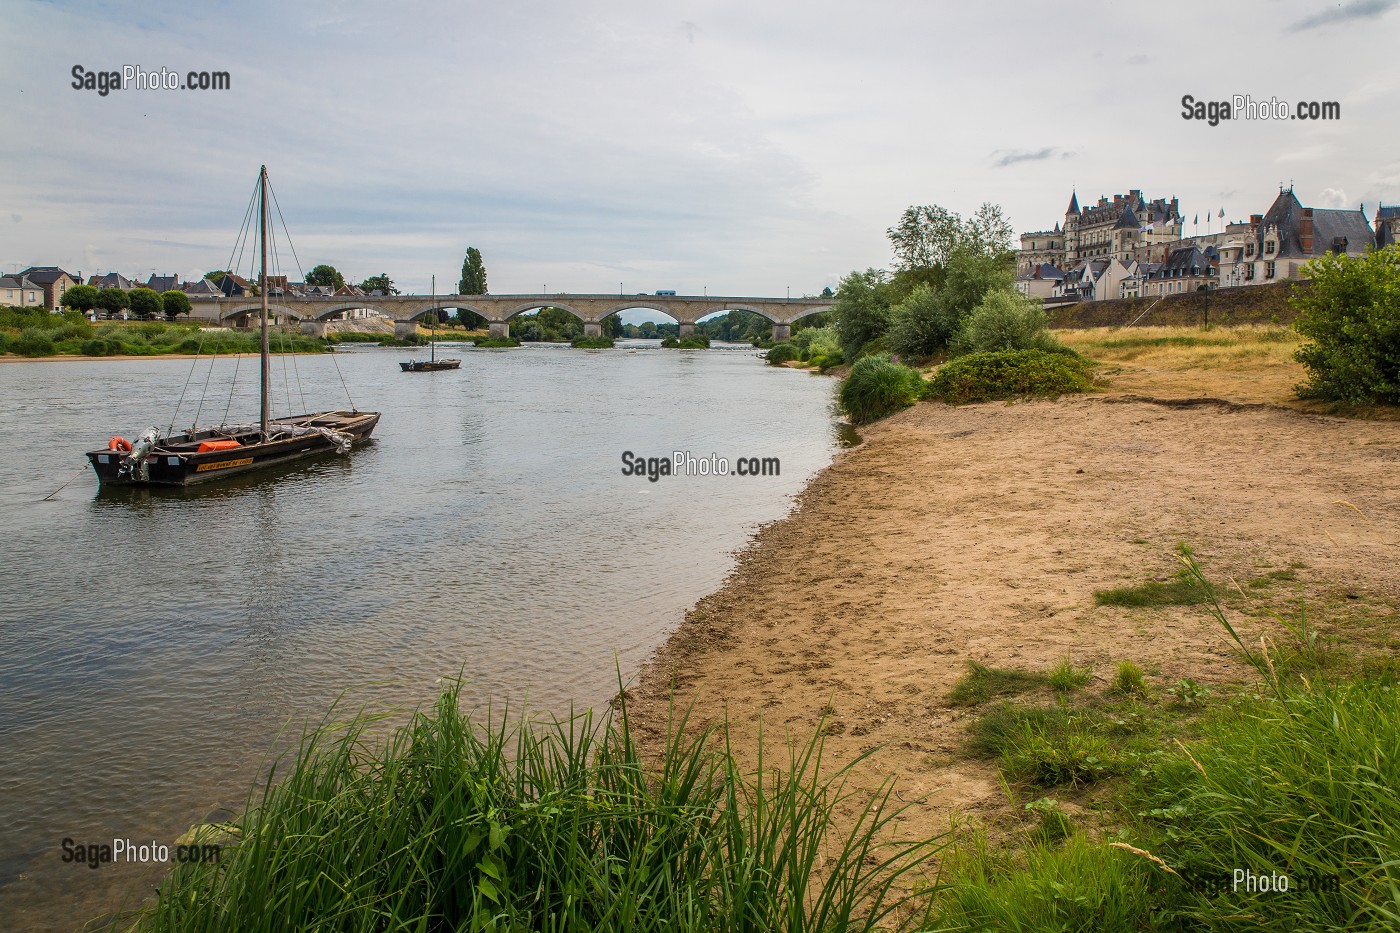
{"x": 432, "y": 364}
{"x": 204, "y": 455}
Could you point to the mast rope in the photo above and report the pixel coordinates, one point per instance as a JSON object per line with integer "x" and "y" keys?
{"x": 188, "y": 376}
{"x": 212, "y": 360}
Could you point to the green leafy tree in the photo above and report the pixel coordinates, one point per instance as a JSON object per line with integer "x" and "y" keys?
{"x": 324, "y": 275}
{"x": 80, "y": 298}
{"x": 217, "y": 275}
{"x": 1351, "y": 316}
{"x": 470, "y": 319}
{"x": 827, "y": 292}
{"x": 379, "y": 283}
{"x": 473, "y": 280}
{"x": 1005, "y": 320}
{"x": 923, "y": 237}
{"x": 613, "y": 327}
{"x": 145, "y": 304}
{"x": 174, "y": 303}
{"x": 862, "y": 309}
{"x": 112, "y": 300}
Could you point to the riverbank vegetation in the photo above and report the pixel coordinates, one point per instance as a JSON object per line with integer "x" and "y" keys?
{"x": 1151, "y": 806}
{"x": 878, "y": 386}
{"x": 36, "y": 333}
{"x": 455, "y": 825}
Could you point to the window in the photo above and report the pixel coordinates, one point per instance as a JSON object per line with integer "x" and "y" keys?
{"x": 1269, "y": 270}
{"x": 1249, "y": 272}
{"x": 1269, "y": 247}
{"x": 1249, "y": 249}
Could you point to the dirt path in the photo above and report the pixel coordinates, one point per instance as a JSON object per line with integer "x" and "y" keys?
{"x": 982, "y": 533}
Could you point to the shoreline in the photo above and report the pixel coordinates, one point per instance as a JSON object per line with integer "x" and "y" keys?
{"x": 981, "y": 533}
{"x": 78, "y": 357}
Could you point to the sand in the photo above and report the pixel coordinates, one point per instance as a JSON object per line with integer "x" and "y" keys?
{"x": 982, "y": 532}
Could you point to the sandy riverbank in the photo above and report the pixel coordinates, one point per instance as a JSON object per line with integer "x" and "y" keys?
{"x": 78, "y": 358}
{"x": 982, "y": 533}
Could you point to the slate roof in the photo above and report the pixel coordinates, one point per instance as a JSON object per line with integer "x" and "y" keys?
{"x": 1387, "y": 213}
{"x": 45, "y": 275}
{"x": 201, "y": 287}
{"x": 112, "y": 280}
{"x": 1044, "y": 270}
{"x": 1346, "y": 231}
{"x": 1185, "y": 261}
{"x": 163, "y": 283}
{"x": 1128, "y": 221}
{"x": 1073, "y": 203}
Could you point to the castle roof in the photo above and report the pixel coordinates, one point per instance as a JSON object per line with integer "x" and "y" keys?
{"x": 1073, "y": 203}
{"x": 1128, "y": 221}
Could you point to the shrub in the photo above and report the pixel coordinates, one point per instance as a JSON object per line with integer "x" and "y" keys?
{"x": 922, "y": 324}
{"x": 834, "y": 358}
{"x": 101, "y": 346}
{"x": 782, "y": 353}
{"x": 1004, "y": 321}
{"x": 1351, "y": 315}
{"x": 979, "y": 377}
{"x": 592, "y": 343}
{"x": 817, "y": 341}
{"x": 33, "y": 341}
{"x": 862, "y": 310}
{"x": 696, "y": 341}
{"x": 494, "y": 343}
{"x": 174, "y": 303}
{"x": 878, "y": 387}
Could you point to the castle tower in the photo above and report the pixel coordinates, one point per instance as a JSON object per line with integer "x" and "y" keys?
{"x": 1072, "y": 230}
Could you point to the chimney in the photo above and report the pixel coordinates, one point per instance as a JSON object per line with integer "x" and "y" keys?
{"x": 1256, "y": 219}
{"x": 1305, "y": 231}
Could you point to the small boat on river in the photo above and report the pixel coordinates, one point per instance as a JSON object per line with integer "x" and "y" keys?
{"x": 182, "y": 458}
{"x": 432, "y": 364}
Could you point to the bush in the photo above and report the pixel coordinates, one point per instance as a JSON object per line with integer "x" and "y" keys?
{"x": 101, "y": 346}
{"x": 592, "y": 343}
{"x": 1352, "y": 316}
{"x": 862, "y": 309}
{"x": 817, "y": 341}
{"x": 696, "y": 341}
{"x": 1065, "y": 677}
{"x": 877, "y": 387}
{"x": 782, "y": 353}
{"x": 922, "y": 324}
{"x": 1004, "y": 321}
{"x": 495, "y": 343}
{"x": 34, "y": 341}
{"x": 979, "y": 377}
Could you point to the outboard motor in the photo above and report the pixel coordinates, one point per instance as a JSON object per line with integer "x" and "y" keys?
{"x": 135, "y": 462}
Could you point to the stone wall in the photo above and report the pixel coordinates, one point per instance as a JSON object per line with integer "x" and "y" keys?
{"x": 1251, "y": 304}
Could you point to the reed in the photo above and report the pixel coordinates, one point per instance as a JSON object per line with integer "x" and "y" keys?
{"x": 456, "y": 825}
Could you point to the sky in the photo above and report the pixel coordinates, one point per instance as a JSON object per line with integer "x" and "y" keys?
{"x": 737, "y": 148}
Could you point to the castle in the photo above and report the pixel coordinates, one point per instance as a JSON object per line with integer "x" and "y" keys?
{"x": 1131, "y": 247}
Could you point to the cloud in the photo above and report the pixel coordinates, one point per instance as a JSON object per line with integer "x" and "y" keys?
{"x": 1139, "y": 60}
{"x": 1005, "y": 157}
{"x": 1332, "y": 197}
{"x": 1358, "y": 9}
{"x": 690, "y": 29}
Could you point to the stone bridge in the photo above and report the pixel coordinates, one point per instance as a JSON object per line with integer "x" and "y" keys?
{"x": 592, "y": 310}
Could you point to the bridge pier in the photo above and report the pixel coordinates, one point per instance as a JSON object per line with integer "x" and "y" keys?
{"x": 313, "y": 328}
{"x": 404, "y": 329}
{"x": 781, "y": 332}
{"x": 500, "y": 329}
{"x": 592, "y": 330}
{"x": 687, "y": 330}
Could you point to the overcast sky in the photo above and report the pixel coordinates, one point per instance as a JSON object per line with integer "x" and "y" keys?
{"x": 739, "y": 147}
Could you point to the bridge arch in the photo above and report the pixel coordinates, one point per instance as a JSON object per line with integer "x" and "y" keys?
{"x": 249, "y": 310}
{"x": 643, "y": 305}
{"x": 722, "y": 309}
{"x": 325, "y": 314}
{"x": 807, "y": 312}
{"x": 538, "y": 306}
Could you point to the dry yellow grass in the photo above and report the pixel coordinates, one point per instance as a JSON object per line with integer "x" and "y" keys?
{"x": 1241, "y": 364}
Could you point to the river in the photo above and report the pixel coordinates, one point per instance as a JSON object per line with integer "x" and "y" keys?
{"x": 154, "y": 644}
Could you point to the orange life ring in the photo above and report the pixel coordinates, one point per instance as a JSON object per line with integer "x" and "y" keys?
{"x": 119, "y": 443}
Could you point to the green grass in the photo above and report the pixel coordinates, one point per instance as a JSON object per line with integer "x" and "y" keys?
{"x": 1065, "y": 677}
{"x": 1009, "y": 374}
{"x": 1129, "y": 681}
{"x": 1183, "y": 589}
{"x": 878, "y": 387}
{"x": 454, "y": 826}
{"x": 981, "y": 683}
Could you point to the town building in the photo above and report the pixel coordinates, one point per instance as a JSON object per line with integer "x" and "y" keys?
{"x": 112, "y": 280}
{"x": 161, "y": 284}
{"x": 1278, "y": 243}
{"x": 20, "y": 292}
{"x": 1039, "y": 281}
{"x": 54, "y": 281}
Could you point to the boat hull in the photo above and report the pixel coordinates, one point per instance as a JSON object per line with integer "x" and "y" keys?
{"x": 429, "y": 366}
{"x": 180, "y": 464}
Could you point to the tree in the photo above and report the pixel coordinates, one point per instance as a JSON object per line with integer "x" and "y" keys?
{"x": 827, "y": 292}
{"x": 473, "y": 274}
{"x": 217, "y": 275}
{"x": 613, "y": 326}
{"x": 112, "y": 300}
{"x": 174, "y": 303}
{"x": 326, "y": 276}
{"x": 80, "y": 298}
{"x": 924, "y": 236}
{"x": 145, "y": 304}
{"x": 862, "y": 310}
{"x": 470, "y": 320}
{"x": 379, "y": 283}
{"x": 1351, "y": 315}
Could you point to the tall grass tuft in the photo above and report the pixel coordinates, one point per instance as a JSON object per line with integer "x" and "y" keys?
{"x": 453, "y": 825}
{"x": 878, "y": 386}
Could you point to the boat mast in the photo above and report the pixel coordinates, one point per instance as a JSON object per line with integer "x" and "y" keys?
{"x": 262, "y": 289}
{"x": 432, "y": 341}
